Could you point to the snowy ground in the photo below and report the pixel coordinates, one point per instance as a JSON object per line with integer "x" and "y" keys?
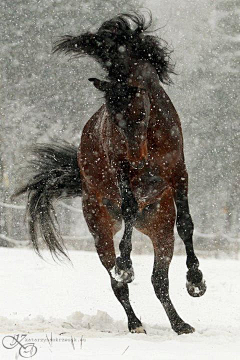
{"x": 70, "y": 311}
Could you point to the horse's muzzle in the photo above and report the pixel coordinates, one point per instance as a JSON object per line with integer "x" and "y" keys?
{"x": 138, "y": 165}
{"x": 137, "y": 155}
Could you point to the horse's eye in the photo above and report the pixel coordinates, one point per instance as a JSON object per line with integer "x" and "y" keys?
{"x": 143, "y": 91}
{"x": 122, "y": 124}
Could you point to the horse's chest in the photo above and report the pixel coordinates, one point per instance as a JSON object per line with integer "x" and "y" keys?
{"x": 148, "y": 187}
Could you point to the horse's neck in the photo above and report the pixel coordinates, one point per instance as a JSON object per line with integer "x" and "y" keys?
{"x": 143, "y": 75}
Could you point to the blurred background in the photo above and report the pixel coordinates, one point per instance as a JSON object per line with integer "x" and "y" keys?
{"x": 45, "y": 97}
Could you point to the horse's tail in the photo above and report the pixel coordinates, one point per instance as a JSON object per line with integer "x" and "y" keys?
{"x": 55, "y": 175}
{"x": 115, "y": 40}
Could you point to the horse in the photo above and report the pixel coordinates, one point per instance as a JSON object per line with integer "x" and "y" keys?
{"x": 128, "y": 168}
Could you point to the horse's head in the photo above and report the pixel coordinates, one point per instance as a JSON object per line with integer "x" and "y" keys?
{"x": 117, "y": 43}
{"x": 129, "y": 107}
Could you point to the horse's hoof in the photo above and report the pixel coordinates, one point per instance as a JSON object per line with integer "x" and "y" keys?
{"x": 138, "y": 330}
{"x": 183, "y": 328}
{"x": 196, "y": 290}
{"x": 122, "y": 276}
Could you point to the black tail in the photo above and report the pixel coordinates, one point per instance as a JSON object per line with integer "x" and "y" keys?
{"x": 116, "y": 40}
{"x": 55, "y": 175}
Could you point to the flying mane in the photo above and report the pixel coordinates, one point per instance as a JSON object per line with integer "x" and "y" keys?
{"x": 116, "y": 40}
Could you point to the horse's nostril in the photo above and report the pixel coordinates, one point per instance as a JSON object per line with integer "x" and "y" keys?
{"x": 138, "y": 165}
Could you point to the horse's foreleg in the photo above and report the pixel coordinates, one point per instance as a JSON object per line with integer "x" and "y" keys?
{"x": 122, "y": 294}
{"x": 103, "y": 227}
{"x": 195, "y": 284}
{"x": 123, "y": 270}
{"x": 106, "y": 253}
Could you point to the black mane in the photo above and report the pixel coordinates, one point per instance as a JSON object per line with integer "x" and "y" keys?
{"x": 116, "y": 40}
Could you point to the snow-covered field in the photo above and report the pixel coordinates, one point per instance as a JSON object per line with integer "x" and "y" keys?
{"x": 70, "y": 312}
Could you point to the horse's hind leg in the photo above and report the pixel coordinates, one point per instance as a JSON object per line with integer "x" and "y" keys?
{"x": 158, "y": 223}
{"x": 103, "y": 227}
{"x": 195, "y": 284}
{"x": 161, "y": 286}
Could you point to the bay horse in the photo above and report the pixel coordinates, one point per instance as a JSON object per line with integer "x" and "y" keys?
{"x": 129, "y": 167}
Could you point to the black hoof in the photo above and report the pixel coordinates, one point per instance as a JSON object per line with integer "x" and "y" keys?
{"x": 121, "y": 272}
{"x": 196, "y": 290}
{"x": 183, "y": 328}
{"x": 196, "y": 286}
{"x": 136, "y": 327}
{"x": 138, "y": 330}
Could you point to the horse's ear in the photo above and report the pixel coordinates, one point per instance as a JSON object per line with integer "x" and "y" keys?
{"x": 99, "y": 84}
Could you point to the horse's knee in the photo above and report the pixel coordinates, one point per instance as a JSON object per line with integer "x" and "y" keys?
{"x": 129, "y": 208}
